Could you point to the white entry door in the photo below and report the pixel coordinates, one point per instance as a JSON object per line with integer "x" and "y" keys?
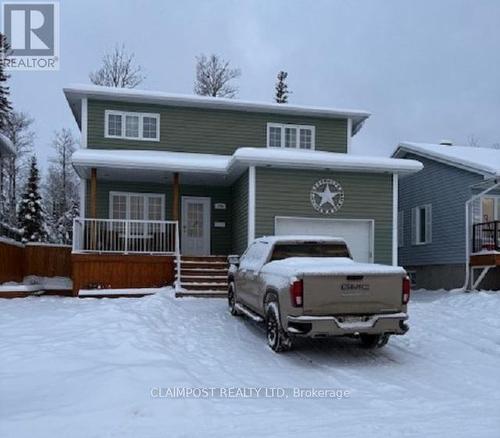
{"x": 195, "y": 234}
{"x": 358, "y": 233}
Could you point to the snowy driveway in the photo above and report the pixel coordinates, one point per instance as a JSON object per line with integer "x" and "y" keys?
{"x": 87, "y": 368}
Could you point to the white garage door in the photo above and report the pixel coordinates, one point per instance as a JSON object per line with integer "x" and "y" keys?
{"x": 358, "y": 233}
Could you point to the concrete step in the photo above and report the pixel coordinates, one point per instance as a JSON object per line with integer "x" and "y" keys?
{"x": 202, "y": 294}
{"x": 204, "y": 258}
{"x": 203, "y": 279}
{"x": 205, "y": 286}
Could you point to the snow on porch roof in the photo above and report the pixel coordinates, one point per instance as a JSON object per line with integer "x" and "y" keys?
{"x": 74, "y": 94}
{"x": 240, "y": 160}
{"x": 6, "y": 146}
{"x": 482, "y": 160}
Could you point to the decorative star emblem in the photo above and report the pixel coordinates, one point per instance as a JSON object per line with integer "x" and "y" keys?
{"x": 327, "y": 196}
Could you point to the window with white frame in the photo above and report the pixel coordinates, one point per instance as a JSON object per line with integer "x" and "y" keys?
{"x": 281, "y": 135}
{"x": 132, "y": 125}
{"x": 490, "y": 208}
{"x": 136, "y": 206}
{"x": 401, "y": 229}
{"x": 421, "y": 225}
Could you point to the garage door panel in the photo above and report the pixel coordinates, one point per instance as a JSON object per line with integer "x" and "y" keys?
{"x": 358, "y": 233}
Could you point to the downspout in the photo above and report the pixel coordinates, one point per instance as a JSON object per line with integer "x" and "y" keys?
{"x": 496, "y": 183}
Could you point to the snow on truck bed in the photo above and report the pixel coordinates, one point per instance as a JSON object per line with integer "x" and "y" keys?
{"x": 90, "y": 368}
{"x": 297, "y": 266}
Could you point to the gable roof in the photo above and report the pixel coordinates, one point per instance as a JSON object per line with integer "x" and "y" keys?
{"x": 6, "y": 146}
{"x": 74, "y": 94}
{"x": 485, "y": 161}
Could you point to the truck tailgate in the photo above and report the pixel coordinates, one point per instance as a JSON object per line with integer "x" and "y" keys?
{"x": 352, "y": 295}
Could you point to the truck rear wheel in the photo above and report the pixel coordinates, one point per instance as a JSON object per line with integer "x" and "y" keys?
{"x": 231, "y": 300}
{"x": 374, "y": 341}
{"x": 277, "y": 339}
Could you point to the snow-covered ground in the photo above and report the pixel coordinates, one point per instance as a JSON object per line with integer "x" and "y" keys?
{"x": 92, "y": 368}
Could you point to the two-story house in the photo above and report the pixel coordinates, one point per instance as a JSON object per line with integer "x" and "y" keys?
{"x": 449, "y": 216}
{"x": 219, "y": 172}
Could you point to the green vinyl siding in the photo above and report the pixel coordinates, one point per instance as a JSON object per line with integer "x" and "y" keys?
{"x": 209, "y": 131}
{"x": 220, "y": 237}
{"x": 287, "y": 192}
{"x": 240, "y": 214}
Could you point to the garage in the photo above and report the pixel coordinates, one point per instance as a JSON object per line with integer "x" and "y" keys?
{"x": 358, "y": 233}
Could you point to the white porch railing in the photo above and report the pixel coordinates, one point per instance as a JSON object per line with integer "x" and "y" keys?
{"x": 125, "y": 236}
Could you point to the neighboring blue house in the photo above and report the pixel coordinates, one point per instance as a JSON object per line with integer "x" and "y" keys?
{"x": 439, "y": 243}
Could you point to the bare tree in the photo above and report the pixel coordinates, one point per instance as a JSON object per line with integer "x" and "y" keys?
{"x": 473, "y": 141}
{"x": 118, "y": 70}
{"x": 61, "y": 187}
{"x": 5, "y": 105}
{"x": 213, "y": 77}
{"x": 495, "y": 146}
{"x": 18, "y": 130}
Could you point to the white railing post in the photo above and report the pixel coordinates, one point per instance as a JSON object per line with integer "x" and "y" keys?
{"x": 75, "y": 246}
{"x": 127, "y": 231}
{"x": 177, "y": 283}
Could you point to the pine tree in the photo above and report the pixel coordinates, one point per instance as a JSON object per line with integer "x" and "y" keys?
{"x": 30, "y": 215}
{"x": 282, "y": 88}
{"x": 5, "y": 105}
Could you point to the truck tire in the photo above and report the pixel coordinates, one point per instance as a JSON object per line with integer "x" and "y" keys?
{"x": 277, "y": 339}
{"x": 231, "y": 300}
{"x": 374, "y": 341}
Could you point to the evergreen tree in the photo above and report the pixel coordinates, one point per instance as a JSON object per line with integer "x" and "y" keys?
{"x": 282, "y": 88}
{"x": 31, "y": 218}
{"x": 5, "y": 105}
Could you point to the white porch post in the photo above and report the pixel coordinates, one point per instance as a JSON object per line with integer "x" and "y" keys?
{"x": 395, "y": 195}
{"x": 251, "y": 204}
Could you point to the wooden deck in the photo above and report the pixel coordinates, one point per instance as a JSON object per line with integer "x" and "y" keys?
{"x": 491, "y": 259}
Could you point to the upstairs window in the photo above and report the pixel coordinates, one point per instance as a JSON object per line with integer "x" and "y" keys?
{"x": 290, "y": 136}
{"x": 421, "y": 225}
{"x": 131, "y": 125}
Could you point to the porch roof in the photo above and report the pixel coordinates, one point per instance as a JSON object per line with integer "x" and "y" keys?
{"x": 211, "y": 168}
{"x": 6, "y": 146}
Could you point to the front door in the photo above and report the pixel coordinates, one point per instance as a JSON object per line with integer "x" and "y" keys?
{"x": 195, "y": 220}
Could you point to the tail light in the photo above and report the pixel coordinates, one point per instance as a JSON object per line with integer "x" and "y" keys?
{"x": 406, "y": 289}
{"x": 297, "y": 293}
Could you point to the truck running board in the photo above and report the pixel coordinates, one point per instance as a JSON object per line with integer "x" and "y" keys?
{"x": 250, "y": 313}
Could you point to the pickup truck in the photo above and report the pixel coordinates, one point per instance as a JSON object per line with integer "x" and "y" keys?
{"x": 304, "y": 286}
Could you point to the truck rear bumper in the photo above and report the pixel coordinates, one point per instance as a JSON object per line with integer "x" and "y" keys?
{"x": 323, "y": 326}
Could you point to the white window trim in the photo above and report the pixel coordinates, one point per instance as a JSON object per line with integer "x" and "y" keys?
{"x": 123, "y": 115}
{"x": 415, "y": 212}
{"x": 496, "y": 204}
{"x": 146, "y": 203}
{"x": 282, "y": 126}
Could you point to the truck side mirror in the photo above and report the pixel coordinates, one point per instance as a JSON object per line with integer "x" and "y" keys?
{"x": 234, "y": 260}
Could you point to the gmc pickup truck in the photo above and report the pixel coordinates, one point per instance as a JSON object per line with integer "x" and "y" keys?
{"x": 304, "y": 286}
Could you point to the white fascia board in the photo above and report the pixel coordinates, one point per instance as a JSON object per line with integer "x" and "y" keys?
{"x": 395, "y": 197}
{"x": 302, "y": 159}
{"x": 251, "y": 204}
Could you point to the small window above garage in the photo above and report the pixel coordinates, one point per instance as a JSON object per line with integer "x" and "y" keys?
{"x": 281, "y": 135}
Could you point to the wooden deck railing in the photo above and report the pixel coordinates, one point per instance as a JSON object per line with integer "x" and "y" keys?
{"x": 486, "y": 237}
{"x": 125, "y": 236}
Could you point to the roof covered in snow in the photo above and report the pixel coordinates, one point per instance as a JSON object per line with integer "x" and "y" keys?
{"x": 234, "y": 165}
{"x": 481, "y": 160}
{"x": 74, "y": 94}
{"x": 6, "y": 146}
{"x": 299, "y": 238}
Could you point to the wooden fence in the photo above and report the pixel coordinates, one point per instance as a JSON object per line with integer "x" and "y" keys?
{"x": 18, "y": 261}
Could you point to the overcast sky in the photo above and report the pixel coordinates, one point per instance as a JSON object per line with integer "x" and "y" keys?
{"x": 426, "y": 69}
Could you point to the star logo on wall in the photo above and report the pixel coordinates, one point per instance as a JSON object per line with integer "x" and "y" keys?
{"x": 327, "y": 196}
